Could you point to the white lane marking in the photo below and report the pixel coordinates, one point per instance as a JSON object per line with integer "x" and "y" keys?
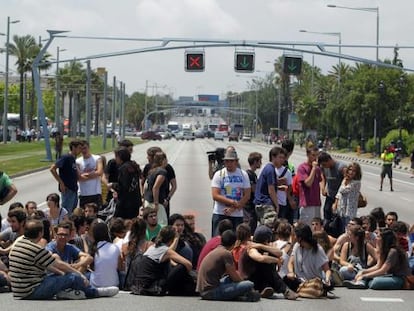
{"x": 380, "y": 299}
{"x": 393, "y": 178}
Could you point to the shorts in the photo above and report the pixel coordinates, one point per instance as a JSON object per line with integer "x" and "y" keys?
{"x": 386, "y": 170}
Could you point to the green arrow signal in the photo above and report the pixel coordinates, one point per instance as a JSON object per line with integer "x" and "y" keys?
{"x": 292, "y": 66}
{"x": 245, "y": 64}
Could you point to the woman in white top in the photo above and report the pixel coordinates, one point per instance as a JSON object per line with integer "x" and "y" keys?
{"x": 284, "y": 243}
{"x": 107, "y": 258}
{"x": 54, "y": 213}
{"x": 346, "y": 204}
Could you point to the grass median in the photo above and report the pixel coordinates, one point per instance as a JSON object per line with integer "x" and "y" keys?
{"x": 18, "y": 158}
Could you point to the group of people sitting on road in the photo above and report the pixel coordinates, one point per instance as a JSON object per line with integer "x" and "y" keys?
{"x": 268, "y": 236}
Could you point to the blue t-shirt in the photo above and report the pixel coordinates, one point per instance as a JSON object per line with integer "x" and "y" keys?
{"x": 68, "y": 171}
{"x": 69, "y": 255}
{"x": 267, "y": 177}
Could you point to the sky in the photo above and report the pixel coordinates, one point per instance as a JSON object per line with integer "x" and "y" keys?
{"x": 163, "y": 71}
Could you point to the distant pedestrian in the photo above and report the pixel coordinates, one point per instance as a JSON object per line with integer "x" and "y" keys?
{"x": 412, "y": 164}
{"x": 58, "y": 144}
{"x": 387, "y": 158}
{"x": 68, "y": 176}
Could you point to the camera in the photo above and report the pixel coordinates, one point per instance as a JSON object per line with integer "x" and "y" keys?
{"x": 216, "y": 155}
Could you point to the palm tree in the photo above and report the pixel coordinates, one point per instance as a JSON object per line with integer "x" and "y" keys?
{"x": 24, "y": 49}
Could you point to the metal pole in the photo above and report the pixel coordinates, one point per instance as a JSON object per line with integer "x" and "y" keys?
{"x": 339, "y": 66}
{"x": 146, "y": 106}
{"x": 6, "y": 85}
{"x": 57, "y": 122}
{"x": 119, "y": 99}
{"x": 105, "y": 112}
{"x": 256, "y": 117}
{"x": 123, "y": 111}
{"x": 88, "y": 101}
{"x": 113, "y": 113}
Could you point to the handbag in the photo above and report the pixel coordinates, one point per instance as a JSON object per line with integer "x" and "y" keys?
{"x": 362, "y": 200}
{"x": 312, "y": 288}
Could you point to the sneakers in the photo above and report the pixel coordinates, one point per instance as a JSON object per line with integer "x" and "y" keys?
{"x": 354, "y": 285}
{"x": 267, "y": 292}
{"x": 290, "y": 294}
{"x": 107, "y": 291}
{"x": 251, "y": 296}
{"x": 71, "y": 294}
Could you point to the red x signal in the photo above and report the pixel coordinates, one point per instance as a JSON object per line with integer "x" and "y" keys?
{"x": 194, "y": 62}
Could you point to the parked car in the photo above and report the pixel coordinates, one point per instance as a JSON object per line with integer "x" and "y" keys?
{"x": 218, "y": 136}
{"x": 151, "y": 135}
{"x": 199, "y": 133}
{"x": 165, "y": 135}
{"x": 247, "y": 138}
{"x": 233, "y": 137}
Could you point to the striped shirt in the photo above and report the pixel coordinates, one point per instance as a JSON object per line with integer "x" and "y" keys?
{"x": 28, "y": 264}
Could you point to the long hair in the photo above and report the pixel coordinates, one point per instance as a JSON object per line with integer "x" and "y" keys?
{"x": 137, "y": 234}
{"x": 389, "y": 241}
{"x": 100, "y": 232}
{"x": 165, "y": 236}
{"x": 304, "y": 232}
{"x": 243, "y": 234}
{"x": 359, "y": 233}
{"x": 158, "y": 160}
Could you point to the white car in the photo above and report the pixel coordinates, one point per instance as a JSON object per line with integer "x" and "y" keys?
{"x": 247, "y": 138}
{"x": 218, "y": 136}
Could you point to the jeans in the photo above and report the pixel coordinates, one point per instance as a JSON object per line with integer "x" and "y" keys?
{"x": 228, "y": 290}
{"x": 53, "y": 284}
{"x": 215, "y": 220}
{"x": 327, "y": 208}
{"x": 346, "y": 274}
{"x": 386, "y": 282}
{"x": 69, "y": 200}
{"x": 284, "y": 212}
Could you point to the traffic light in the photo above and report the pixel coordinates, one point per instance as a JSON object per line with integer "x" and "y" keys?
{"x": 244, "y": 62}
{"x": 194, "y": 61}
{"x": 292, "y": 64}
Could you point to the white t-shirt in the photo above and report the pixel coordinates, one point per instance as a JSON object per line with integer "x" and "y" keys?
{"x": 106, "y": 265}
{"x": 281, "y": 195}
{"x": 86, "y": 165}
{"x": 283, "y": 270}
{"x": 308, "y": 265}
{"x": 232, "y": 185}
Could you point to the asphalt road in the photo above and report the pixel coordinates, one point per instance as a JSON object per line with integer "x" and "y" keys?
{"x": 189, "y": 160}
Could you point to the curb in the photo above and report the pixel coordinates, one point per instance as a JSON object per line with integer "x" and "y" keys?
{"x": 30, "y": 171}
{"x": 367, "y": 161}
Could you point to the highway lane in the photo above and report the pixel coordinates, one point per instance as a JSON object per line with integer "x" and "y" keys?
{"x": 190, "y": 162}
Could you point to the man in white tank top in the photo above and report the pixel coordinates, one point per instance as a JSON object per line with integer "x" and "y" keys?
{"x": 90, "y": 170}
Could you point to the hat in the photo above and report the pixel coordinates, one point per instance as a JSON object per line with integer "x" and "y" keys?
{"x": 230, "y": 155}
{"x": 263, "y": 234}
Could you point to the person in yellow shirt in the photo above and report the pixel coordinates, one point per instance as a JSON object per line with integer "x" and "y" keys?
{"x": 387, "y": 158}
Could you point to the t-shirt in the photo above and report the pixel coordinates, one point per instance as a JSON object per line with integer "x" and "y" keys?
{"x": 5, "y": 183}
{"x": 267, "y": 177}
{"x": 334, "y": 177}
{"x": 232, "y": 186}
{"x": 70, "y": 252}
{"x": 68, "y": 171}
{"x": 87, "y": 165}
{"x": 207, "y": 248}
{"x": 28, "y": 263}
{"x": 151, "y": 234}
{"x": 308, "y": 264}
{"x": 55, "y": 221}
{"x": 253, "y": 182}
{"x": 163, "y": 193}
{"x": 397, "y": 267}
{"x": 309, "y": 196}
{"x": 105, "y": 271}
{"x": 213, "y": 268}
{"x": 281, "y": 194}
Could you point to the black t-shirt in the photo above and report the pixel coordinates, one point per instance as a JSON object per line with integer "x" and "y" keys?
{"x": 168, "y": 168}
{"x": 151, "y": 181}
{"x": 253, "y": 181}
{"x": 68, "y": 171}
{"x": 111, "y": 170}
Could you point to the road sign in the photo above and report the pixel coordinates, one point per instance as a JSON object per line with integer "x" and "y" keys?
{"x": 194, "y": 61}
{"x": 292, "y": 64}
{"x": 244, "y": 62}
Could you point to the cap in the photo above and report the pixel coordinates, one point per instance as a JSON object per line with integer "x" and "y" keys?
{"x": 263, "y": 234}
{"x": 230, "y": 155}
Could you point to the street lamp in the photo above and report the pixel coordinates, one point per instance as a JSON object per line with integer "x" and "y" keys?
{"x": 57, "y": 97}
{"x": 372, "y": 10}
{"x": 336, "y": 34}
{"x": 6, "y": 80}
{"x": 377, "y": 134}
{"x": 402, "y": 84}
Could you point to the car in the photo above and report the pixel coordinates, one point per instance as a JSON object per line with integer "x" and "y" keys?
{"x": 179, "y": 135}
{"x": 247, "y": 138}
{"x": 218, "y": 136}
{"x": 165, "y": 135}
{"x": 151, "y": 135}
{"x": 188, "y": 135}
{"x": 233, "y": 137}
{"x": 199, "y": 134}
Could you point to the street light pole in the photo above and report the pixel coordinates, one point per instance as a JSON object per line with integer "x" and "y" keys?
{"x": 6, "y": 81}
{"x": 57, "y": 97}
{"x": 374, "y": 10}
